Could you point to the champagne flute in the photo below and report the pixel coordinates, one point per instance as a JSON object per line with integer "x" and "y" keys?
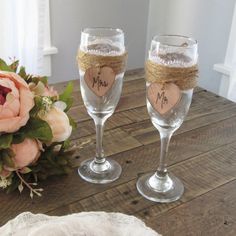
{"x": 167, "y": 105}
{"x": 102, "y": 50}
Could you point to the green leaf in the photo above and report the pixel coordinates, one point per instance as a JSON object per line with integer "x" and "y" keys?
{"x": 37, "y": 129}
{"x": 66, "y": 144}
{"x": 14, "y": 65}
{"x": 37, "y": 107}
{"x": 4, "y": 66}
{"x": 25, "y": 170}
{"x": 14, "y": 185}
{"x": 62, "y": 162}
{"x": 66, "y": 96}
{"x": 1, "y": 166}
{"x": 72, "y": 122}
{"x": 44, "y": 80}
{"x": 5, "y": 141}
{"x": 7, "y": 160}
{"x": 18, "y": 138}
{"x": 10, "y": 152}
{"x": 22, "y": 72}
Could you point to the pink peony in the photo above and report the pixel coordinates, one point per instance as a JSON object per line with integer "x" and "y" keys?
{"x": 16, "y": 100}
{"x": 26, "y": 153}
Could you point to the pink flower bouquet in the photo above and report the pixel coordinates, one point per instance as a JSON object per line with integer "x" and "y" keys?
{"x": 34, "y": 129}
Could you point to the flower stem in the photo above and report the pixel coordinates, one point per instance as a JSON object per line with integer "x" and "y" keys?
{"x": 32, "y": 190}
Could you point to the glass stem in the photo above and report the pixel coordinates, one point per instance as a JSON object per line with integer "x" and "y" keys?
{"x": 165, "y": 140}
{"x": 99, "y": 124}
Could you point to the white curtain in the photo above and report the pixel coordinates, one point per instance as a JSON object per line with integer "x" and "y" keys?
{"x": 22, "y": 32}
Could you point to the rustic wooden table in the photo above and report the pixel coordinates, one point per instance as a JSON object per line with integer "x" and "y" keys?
{"x": 202, "y": 154}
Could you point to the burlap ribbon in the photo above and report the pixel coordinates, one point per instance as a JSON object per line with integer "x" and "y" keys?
{"x": 87, "y": 60}
{"x": 184, "y": 77}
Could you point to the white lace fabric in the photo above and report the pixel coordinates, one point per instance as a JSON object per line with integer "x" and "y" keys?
{"x": 80, "y": 224}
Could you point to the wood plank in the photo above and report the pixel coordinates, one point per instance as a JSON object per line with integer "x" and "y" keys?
{"x": 208, "y": 110}
{"x": 65, "y": 190}
{"x": 148, "y": 134}
{"x": 133, "y": 86}
{"x": 193, "y": 142}
{"x": 136, "y": 87}
{"x": 202, "y": 154}
{"x": 137, "y": 122}
{"x": 135, "y": 115}
{"x": 213, "y": 213}
{"x": 87, "y": 127}
{"x": 132, "y": 96}
{"x": 128, "y": 88}
{"x": 200, "y": 175}
{"x": 129, "y": 101}
{"x": 134, "y": 74}
{"x": 127, "y": 113}
{"x": 79, "y": 113}
{"x": 130, "y": 75}
{"x": 115, "y": 141}
{"x": 137, "y": 74}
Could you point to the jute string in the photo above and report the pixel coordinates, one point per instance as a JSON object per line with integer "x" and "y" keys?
{"x": 87, "y": 60}
{"x": 184, "y": 77}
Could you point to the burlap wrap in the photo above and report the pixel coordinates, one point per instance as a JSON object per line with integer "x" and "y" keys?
{"x": 87, "y": 60}
{"x": 184, "y": 77}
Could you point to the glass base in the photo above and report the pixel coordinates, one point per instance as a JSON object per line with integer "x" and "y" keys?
{"x": 99, "y": 173}
{"x": 160, "y": 189}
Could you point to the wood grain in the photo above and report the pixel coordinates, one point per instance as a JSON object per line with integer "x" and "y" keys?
{"x": 134, "y": 116}
{"x": 63, "y": 191}
{"x": 199, "y": 115}
{"x": 199, "y": 174}
{"x": 115, "y": 141}
{"x": 202, "y": 154}
{"x": 198, "y": 140}
{"x": 137, "y": 75}
{"x": 129, "y": 101}
{"x": 210, "y": 214}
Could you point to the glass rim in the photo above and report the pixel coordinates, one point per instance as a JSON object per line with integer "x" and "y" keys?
{"x": 117, "y": 31}
{"x": 192, "y": 40}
